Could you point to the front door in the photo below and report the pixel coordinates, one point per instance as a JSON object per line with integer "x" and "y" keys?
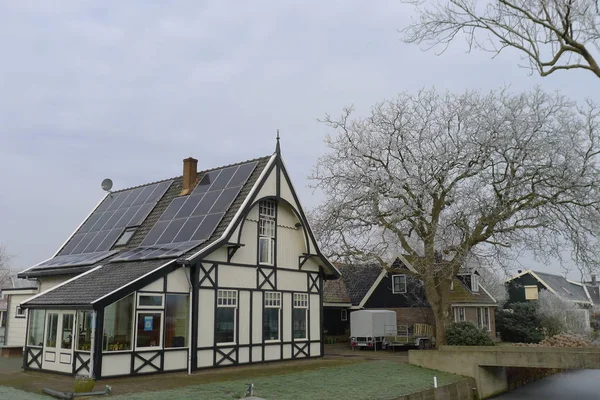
{"x": 58, "y": 341}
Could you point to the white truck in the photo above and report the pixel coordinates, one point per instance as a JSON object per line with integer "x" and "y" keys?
{"x": 378, "y": 329}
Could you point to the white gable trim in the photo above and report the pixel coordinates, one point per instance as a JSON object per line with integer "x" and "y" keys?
{"x": 63, "y": 283}
{"x": 133, "y": 281}
{"x": 535, "y": 276}
{"x": 239, "y": 212}
{"x": 488, "y": 293}
{"x": 405, "y": 262}
{"x": 311, "y": 234}
{"x": 372, "y": 288}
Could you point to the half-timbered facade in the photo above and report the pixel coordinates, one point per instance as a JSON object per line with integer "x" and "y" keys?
{"x": 221, "y": 268}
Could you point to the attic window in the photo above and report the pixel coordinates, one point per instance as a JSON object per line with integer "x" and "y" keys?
{"x": 398, "y": 284}
{"x": 475, "y": 283}
{"x": 125, "y": 237}
{"x": 531, "y": 292}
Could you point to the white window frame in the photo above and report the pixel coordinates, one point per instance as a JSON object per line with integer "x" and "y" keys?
{"x": 228, "y": 299}
{"x": 456, "y": 313}
{"x": 525, "y": 287}
{"x": 270, "y": 250}
{"x": 162, "y": 330}
{"x": 474, "y": 283}
{"x": 300, "y": 300}
{"x": 148, "y": 294}
{"x": 20, "y": 312}
{"x": 344, "y": 314}
{"x": 484, "y": 311}
{"x": 273, "y": 300}
{"x": 394, "y": 284}
{"x": 267, "y": 212}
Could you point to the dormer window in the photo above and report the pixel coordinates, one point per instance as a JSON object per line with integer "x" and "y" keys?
{"x": 474, "y": 282}
{"x": 266, "y": 232}
{"x": 125, "y": 237}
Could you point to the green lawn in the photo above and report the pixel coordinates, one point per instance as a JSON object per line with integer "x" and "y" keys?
{"x": 383, "y": 380}
{"x": 370, "y": 380}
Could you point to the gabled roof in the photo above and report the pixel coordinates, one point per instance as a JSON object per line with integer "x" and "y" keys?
{"x": 462, "y": 294}
{"x": 173, "y": 191}
{"x": 335, "y": 291}
{"x": 109, "y": 274}
{"x": 559, "y": 285}
{"x": 360, "y": 281}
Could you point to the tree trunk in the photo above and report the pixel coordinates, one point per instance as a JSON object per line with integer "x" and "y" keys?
{"x": 438, "y": 296}
{"x": 441, "y": 313}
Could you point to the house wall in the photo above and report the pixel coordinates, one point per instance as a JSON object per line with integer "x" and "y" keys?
{"x": 149, "y": 360}
{"x": 471, "y": 316}
{"x": 382, "y": 296}
{"x": 15, "y": 330}
{"x": 250, "y": 280}
{"x": 49, "y": 282}
{"x": 516, "y": 288}
{"x": 332, "y": 321}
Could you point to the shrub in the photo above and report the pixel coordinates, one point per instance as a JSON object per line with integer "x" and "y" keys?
{"x": 562, "y": 340}
{"x": 520, "y": 322}
{"x": 467, "y": 334}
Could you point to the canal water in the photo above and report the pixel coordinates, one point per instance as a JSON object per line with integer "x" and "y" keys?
{"x": 577, "y": 385}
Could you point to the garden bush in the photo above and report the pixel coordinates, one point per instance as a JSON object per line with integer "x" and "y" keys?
{"x": 520, "y": 322}
{"x": 467, "y": 334}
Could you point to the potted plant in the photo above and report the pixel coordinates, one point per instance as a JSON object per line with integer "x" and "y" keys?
{"x": 83, "y": 384}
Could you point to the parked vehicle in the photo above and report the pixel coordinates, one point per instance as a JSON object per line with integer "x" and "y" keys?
{"x": 367, "y": 327}
{"x": 418, "y": 335}
{"x": 378, "y": 329}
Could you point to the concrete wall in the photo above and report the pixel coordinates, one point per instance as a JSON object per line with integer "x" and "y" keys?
{"x": 487, "y": 364}
{"x": 461, "y": 390}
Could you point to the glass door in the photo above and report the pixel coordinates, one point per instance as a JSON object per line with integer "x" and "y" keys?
{"x": 58, "y": 341}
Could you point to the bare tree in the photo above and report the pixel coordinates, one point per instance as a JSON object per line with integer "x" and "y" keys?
{"x": 5, "y": 271}
{"x": 567, "y": 316}
{"x": 551, "y": 34}
{"x": 442, "y": 177}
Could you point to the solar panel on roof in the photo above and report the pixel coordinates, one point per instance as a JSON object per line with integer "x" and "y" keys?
{"x": 117, "y": 212}
{"x": 190, "y": 220}
{"x": 76, "y": 260}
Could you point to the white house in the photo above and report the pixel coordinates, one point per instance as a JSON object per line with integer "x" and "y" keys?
{"x": 210, "y": 269}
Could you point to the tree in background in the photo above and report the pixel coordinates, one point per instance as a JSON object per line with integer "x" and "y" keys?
{"x": 442, "y": 177}
{"x": 551, "y": 35}
{"x": 5, "y": 271}
{"x": 561, "y": 316}
{"x": 520, "y": 323}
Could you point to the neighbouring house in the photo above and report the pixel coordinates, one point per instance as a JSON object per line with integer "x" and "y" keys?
{"x": 209, "y": 269}
{"x": 526, "y": 286}
{"x": 368, "y": 286}
{"x": 13, "y": 293}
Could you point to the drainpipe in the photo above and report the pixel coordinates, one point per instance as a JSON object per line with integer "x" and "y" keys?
{"x": 187, "y": 272}
{"x": 92, "y": 343}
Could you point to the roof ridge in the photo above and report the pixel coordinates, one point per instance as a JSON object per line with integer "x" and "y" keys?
{"x": 199, "y": 172}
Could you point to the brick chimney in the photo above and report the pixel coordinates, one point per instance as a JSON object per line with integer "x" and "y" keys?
{"x": 190, "y": 175}
{"x": 593, "y": 280}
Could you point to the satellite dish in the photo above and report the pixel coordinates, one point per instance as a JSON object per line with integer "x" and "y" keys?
{"x": 107, "y": 184}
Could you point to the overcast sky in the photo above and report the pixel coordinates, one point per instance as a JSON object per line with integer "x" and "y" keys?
{"x": 126, "y": 90}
